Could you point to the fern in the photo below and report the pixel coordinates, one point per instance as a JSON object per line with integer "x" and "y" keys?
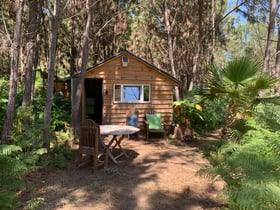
{"x": 7, "y": 200}
{"x": 254, "y": 196}
{"x": 11, "y": 176}
{"x": 250, "y": 166}
{"x": 6, "y": 150}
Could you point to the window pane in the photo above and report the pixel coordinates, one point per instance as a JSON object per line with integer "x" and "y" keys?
{"x": 117, "y": 92}
{"x": 131, "y": 93}
{"x": 146, "y": 93}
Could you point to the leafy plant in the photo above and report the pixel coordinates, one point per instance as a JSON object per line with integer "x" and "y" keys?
{"x": 3, "y": 100}
{"x": 61, "y": 155}
{"x": 204, "y": 113}
{"x": 35, "y": 203}
{"x": 247, "y": 157}
{"x": 250, "y": 166}
{"x": 11, "y": 177}
{"x": 61, "y": 113}
{"x": 214, "y": 113}
{"x": 241, "y": 81}
{"x": 190, "y": 107}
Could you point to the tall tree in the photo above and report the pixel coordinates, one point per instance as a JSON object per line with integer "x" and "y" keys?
{"x": 15, "y": 50}
{"x": 171, "y": 44}
{"x": 181, "y": 31}
{"x": 273, "y": 9}
{"x": 277, "y": 60}
{"x": 84, "y": 59}
{"x": 54, "y": 27}
{"x": 30, "y": 53}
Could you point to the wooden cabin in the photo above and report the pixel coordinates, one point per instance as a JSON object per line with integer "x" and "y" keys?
{"x": 122, "y": 82}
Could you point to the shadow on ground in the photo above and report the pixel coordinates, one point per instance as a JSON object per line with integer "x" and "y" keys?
{"x": 156, "y": 175}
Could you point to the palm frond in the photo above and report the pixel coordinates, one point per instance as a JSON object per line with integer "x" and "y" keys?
{"x": 217, "y": 73}
{"x": 241, "y": 70}
{"x": 265, "y": 81}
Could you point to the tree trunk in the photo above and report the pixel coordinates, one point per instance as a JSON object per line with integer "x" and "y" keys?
{"x": 15, "y": 50}
{"x": 84, "y": 57}
{"x": 171, "y": 46}
{"x": 270, "y": 32}
{"x": 213, "y": 18}
{"x": 30, "y": 53}
{"x": 73, "y": 48}
{"x": 36, "y": 61}
{"x": 277, "y": 63}
{"x": 55, "y": 21}
{"x": 198, "y": 45}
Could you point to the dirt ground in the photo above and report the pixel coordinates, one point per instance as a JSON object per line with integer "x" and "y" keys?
{"x": 157, "y": 175}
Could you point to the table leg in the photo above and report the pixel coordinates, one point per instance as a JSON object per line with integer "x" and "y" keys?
{"x": 112, "y": 157}
{"x": 117, "y": 144}
{"x": 109, "y": 152}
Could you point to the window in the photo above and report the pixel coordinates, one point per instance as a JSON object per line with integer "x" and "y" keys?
{"x": 131, "y": 93}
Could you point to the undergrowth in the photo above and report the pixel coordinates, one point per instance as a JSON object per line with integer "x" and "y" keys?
{"x": 248, "y": 160}
{"x": 26, "y": 151}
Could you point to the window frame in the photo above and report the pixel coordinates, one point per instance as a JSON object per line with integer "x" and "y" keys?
{"x": 131, "y": 85}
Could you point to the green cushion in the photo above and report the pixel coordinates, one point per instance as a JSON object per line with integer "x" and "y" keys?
{"x": 154, "y": 121}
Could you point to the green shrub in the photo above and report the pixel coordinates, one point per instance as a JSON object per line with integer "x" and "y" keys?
{"x": 61, "y": 113}
{"x": 35, "y": 203}
{"x": 68, "y": 152}
{"x": 205, "y": 114}
{"x": 190, "y": 106}
{"x": 12, "y": 174}
{"x": 214, "y": 113}
{"x": 3, "y": 100}
{"x": 250, "y": 166}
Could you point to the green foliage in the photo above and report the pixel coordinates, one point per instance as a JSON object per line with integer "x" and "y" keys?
{"x": 214, "y": 113}
{"x": 190, "y": 107}
{"x": 204, "y": 113}
{"x": 61, "y": 155}
{"x": 27, "y": 152}
{"x": 250, "y": 167}
{"x": 247, "y": 157}
{"x": 3, "y": 100}
{"x": 28, "y": 136}
{"x": 60, "y": 149}
{"x": 35, "y": 203}
{"x": 11, "y": 177}
{"x": 61, "y": 113}
{"x": 241, "y": 81}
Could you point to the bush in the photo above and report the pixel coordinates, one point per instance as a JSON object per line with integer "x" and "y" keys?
{"x": 250, "y": 166}
{"x": 3, "y": 100}
{"x": 12, "y": 174}
{"x": 205, "y": 114}
{"x": 214, "y": 113}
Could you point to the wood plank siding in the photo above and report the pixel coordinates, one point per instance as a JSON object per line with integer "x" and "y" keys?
{"x": 137, "y": 72}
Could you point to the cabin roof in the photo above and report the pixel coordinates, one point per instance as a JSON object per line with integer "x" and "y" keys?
{"x": 119, "y": 54}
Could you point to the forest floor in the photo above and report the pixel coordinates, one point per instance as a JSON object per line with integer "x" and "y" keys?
{"x": 158, "y": 174}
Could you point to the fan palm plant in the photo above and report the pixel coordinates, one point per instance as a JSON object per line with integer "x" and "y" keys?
{"x": 242, "y": 81}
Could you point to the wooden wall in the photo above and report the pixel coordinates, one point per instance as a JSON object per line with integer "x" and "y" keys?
{"x": 137, "y": 72}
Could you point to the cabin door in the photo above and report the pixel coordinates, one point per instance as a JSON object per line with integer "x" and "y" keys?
{"x": 94, "y": 99}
